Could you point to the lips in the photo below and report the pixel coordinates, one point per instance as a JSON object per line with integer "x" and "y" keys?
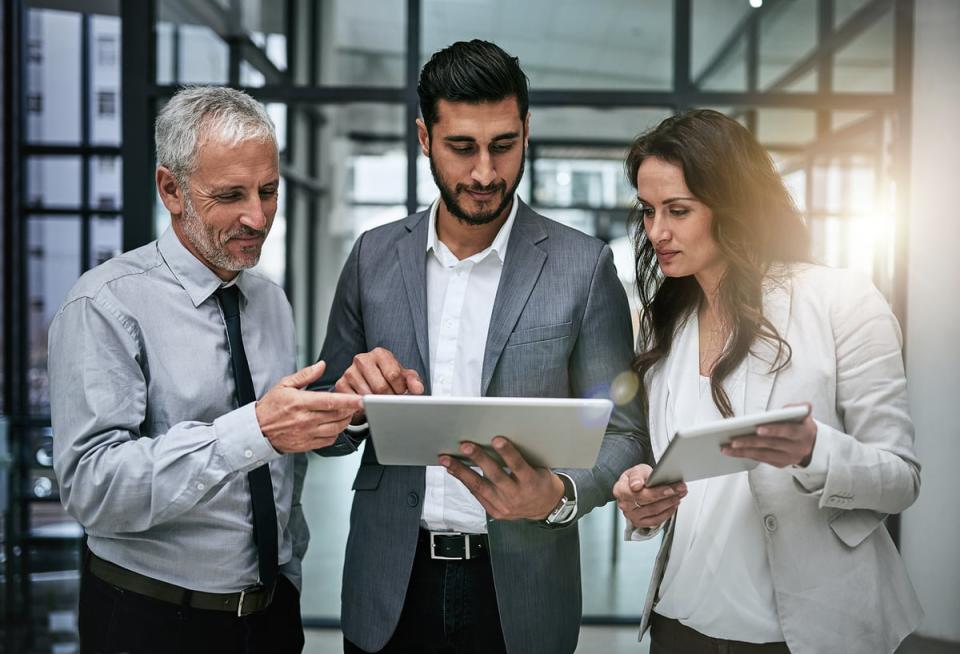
{"x": 481, "y": 195}
{"x": 664, "y": 256}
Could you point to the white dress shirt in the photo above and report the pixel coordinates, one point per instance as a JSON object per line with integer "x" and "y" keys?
{"x": 718, "y": 578}
{"x": 460, "y": 297}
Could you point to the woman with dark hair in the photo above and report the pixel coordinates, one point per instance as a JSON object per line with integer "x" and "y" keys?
{"x": 791, "y": 556}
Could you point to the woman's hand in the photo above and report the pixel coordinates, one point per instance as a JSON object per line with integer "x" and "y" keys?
{"x": 642, "y": 506}
{"x": 780, "y": 443}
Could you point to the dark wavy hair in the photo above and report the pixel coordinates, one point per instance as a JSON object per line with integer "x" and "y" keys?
{"x": 755, "y": 225}
{"x": 471, "y": 71}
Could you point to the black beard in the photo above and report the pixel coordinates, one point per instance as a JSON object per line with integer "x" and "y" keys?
{"x": 449, "y": 195}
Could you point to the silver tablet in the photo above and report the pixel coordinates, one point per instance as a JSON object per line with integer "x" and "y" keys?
{"x": 695, "y": 453}
{"x": 411, "y": 430}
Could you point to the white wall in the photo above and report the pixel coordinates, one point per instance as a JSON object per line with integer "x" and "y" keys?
{"x": 931, "y": 528}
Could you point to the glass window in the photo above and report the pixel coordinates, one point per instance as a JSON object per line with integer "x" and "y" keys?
{"x": 714, "y": 23}
{"x": 106, "y": 182}
{"x": 53, "y": 181}
{"x": 605, "y": 44}
{"x": 55, "y": 77}
{"x": 106, "y": 239}
{"x": 53, "y": 265}
{"x": 865, "y": 65}
{"x": 786, "y": 126}
{"x": 788, "y": 33}
{"x": 105, "y": 103}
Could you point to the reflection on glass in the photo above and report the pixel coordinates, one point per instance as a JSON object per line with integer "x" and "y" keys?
{"x": 787, "y": 34}
{"x": 605, "y": 44}
{"x": 105, "y": 80}
{"x": 786, "y": 126}
{"x": 713, "y": 24}
{"x": 360, "y": 43}
{"x": 866, "y": 64}
{"x": 188, "y": 50}
{"x": 53, "y": 76}
{"x": 53, "y": 265}
{"x": 53, "y": 181}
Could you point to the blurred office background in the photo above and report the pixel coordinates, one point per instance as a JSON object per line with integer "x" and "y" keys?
{"x": 855, "y": 100}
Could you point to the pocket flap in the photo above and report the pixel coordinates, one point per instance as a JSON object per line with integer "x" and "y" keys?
{"x": 368, "y": 477}
{"x": 853, "y": 527}
{"x": 537, "y": 334}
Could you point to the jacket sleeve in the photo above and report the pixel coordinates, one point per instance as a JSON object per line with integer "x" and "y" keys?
{"x": 871, "y": 463}
{"x": 601, "y": 359}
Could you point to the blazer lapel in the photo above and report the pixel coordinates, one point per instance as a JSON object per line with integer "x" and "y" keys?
{"x": 520, "y": 273}
{"x": 776, "y": 308}
{"x": 411, "y": 251}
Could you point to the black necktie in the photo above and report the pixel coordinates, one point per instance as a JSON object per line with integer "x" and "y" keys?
{"x": 261, "y": 487}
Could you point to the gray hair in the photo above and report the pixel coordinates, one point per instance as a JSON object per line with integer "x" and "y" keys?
{"x": 197, "y": 114}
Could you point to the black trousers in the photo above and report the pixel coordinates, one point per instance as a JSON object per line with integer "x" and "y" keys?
{"x": 669, "y": 636}
{"x": 114, "y": 620}
{"x": 450, "y": 608}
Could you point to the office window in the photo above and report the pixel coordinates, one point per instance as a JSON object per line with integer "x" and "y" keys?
{"x": 106, "y": 103}
{"x": 106, "y": 50}
{"x": 35, "y": 51}
{"x": 35, "y": 103}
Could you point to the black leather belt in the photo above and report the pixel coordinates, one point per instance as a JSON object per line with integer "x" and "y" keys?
{"x": 247, "y": 601}
{"x": 453, "y": 545}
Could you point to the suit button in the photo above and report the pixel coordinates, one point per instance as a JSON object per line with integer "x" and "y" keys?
{"x": 412, "y": 499}
{"x": 770, "y": 522}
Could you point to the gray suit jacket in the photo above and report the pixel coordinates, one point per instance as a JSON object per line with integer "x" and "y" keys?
{"x": 560, "y": 328}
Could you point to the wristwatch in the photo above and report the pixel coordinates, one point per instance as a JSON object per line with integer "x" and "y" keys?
{"x": 567, "y": 506}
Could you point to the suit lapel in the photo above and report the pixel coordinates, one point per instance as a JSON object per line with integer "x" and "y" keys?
{"x": 776, "y": 308}
{"x": 411, "y": 251}
{"x": 520, "y": 273}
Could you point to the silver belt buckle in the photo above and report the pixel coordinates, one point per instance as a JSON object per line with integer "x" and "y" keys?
{"x": 433, "y": 546}
{"x": 243, "y": 596}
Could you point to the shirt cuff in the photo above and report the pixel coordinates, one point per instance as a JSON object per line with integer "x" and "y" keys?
{"x": 576, "y": 496}
{"x": 813, "y": 477}
{"x": 240, "y": 440}
{"x": 632, "y": 533}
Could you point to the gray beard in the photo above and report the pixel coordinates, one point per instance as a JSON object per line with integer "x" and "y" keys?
{"x": 201, "y": 236}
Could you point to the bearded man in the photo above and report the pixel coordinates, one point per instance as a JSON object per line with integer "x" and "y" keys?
{"x": 184, "y": 481}
{"x": 477, "y": 296}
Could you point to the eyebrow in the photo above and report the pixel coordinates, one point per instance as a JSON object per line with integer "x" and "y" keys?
{"x": 669, "y": 200}
{"x": 469, "y": 139}
{"x": 220, "y": 190}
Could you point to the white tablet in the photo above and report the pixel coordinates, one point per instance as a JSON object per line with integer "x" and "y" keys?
{"x": 695, "y": 453}
{"x": 413, "y": 430}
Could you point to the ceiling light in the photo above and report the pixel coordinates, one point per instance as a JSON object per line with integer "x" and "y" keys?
{"x": 756, "y": 4}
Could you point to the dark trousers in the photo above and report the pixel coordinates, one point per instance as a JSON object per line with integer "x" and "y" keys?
{"x": 450, "y": 608}
{"x": 669, "y": 636}
{"x": 115, "y": 620}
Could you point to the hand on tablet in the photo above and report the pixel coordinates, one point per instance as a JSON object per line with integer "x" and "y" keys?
{"x": 643, "y": 506}
{"x": 779, "y": 444}
{"x": 378, "y": 373}
{"x": 522, "y": 491}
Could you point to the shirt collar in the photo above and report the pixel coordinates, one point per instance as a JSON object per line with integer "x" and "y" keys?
{"x": 196, "y": 279}
{"x": 499, "y": 245}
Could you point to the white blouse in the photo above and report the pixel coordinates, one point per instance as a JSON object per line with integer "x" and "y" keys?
{"x": 717, "y": 578}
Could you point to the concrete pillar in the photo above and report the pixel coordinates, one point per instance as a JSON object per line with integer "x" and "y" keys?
{"x": 931, "y": 528}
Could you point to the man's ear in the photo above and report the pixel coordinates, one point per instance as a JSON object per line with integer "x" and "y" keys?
{"x": 169, "y": 190}
{"x": 423, "y": 135}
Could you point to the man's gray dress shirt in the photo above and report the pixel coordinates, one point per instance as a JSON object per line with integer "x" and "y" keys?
{"x": 150, "y": 449}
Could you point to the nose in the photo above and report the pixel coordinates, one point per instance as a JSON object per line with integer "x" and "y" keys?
{"x": 483, "y": 172}
{"x": 254, "y": 216}
{"x": 657, "y": 229}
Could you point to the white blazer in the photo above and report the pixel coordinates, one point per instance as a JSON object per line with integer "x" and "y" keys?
{"x": 840, "y": 584}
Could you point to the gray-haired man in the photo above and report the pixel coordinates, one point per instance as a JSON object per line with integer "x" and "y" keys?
{"x": 163, "y": 454}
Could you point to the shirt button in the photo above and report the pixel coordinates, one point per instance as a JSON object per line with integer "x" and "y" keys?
{"x": 248, "y": 454}
{"x": 770, "y": 522}
{"x": 200, "y": 486}
{"x": 412, "y": 499}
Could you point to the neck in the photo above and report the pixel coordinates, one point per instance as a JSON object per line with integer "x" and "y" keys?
{"x": 709, "y": 281}
{"x": 463, "y": 239}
